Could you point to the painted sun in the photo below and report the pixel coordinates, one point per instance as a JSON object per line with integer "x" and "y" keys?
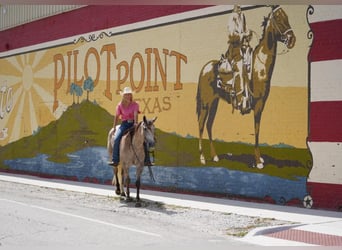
{"x": 26, "y": 98}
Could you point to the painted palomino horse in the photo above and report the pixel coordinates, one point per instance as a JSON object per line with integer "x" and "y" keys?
{"x": 132, "y": 152}
{"x": 276, "y": 28}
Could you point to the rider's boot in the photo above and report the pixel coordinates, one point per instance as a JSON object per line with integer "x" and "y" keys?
{"x": 245, "y": 106}
{"x": 147, "y": 160}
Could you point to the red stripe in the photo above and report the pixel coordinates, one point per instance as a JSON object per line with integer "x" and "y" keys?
{"x": 327, "y": 40}
{"x": 325, "y": 195}
{"x": 84, "y": 20}
{"x": 326, "y": 121}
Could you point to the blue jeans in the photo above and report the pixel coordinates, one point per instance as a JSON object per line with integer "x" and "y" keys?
{"x": 118, "y": 135}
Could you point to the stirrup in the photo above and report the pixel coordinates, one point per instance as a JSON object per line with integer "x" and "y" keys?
{"x": 148, "y": 163}
{"x": 113, "y": 164}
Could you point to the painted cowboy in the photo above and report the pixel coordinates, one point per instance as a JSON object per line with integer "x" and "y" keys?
{"x": 239, "y": 55}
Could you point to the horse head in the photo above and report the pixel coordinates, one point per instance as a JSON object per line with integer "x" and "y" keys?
{"x": 148, "y": 130}
{"x": 280, "y": 22}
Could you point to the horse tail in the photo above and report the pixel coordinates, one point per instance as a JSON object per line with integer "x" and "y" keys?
{"x": 110, "y": 142}
{"x": 198, "y": 97}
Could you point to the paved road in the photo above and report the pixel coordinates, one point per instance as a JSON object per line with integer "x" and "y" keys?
{"x": 37, "y": 216}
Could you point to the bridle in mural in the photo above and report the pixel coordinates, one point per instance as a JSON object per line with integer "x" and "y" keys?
{"x": 276, "y": 16}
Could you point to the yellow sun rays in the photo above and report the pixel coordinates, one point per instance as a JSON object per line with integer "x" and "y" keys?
{"x": 31, "y": 80}
{"x": 32, "y": 97}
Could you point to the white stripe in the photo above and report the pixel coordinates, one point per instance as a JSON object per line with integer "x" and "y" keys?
{"x": 326, "y": 81}
{"x": 325, "y": 13}
{"x": 81, "y": 217}
{"x": 327, "y": 159}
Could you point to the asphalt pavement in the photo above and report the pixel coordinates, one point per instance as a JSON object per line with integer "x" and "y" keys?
{"x": 310, "y": 227}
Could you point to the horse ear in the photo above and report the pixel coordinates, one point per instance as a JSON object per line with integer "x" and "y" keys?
{"x": 154, "y": 119}
{"x": 144, "y": 119}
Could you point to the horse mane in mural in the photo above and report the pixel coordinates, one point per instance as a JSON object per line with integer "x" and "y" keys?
{"x": 276, "y": 28}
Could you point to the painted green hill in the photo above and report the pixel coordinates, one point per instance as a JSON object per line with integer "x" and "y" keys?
{"x": 81, "y": 125}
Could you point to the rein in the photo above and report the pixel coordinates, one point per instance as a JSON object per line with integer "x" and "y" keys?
{"x": 141, "y": 162}
{"x": 133, "y": 148}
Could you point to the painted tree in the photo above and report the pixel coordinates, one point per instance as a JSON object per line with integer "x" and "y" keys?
{"x": 79, "y": 92}
{"x": 88, "y": 85}
{"x": 73, "y": 91}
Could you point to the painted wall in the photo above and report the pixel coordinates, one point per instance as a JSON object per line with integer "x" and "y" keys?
{"x": 60, "y": 87}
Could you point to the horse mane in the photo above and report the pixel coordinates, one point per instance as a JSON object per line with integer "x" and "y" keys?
{"x": 263, "y": 26}
{"x": 131, "y": 131}
{"x": 264, "y": 22}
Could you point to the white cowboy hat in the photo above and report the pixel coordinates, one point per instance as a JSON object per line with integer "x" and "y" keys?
{"x": 127, "y": 90}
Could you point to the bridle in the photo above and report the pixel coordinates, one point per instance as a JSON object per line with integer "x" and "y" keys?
{"x": 283, "y": 34}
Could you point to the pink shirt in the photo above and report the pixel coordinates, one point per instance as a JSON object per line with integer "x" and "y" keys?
{"x": 127, "y": 113}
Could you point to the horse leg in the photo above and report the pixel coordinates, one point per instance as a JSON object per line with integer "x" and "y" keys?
{"x": 137, "y": 184}
{"x": 122, "y": 180}
{"x": 202, "y": 117}
{"x": 210, "y": 121}
{"x": 115, "y": 180}
{"x": 257, "y": 118}
{"x": 128, "y": 182}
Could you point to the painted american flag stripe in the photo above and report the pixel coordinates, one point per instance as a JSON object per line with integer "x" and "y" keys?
{"x": 326, "y": 83}
{"x": 327, "y": 40}
{"x": 325, "y": 13}
{"x": 327, "y": 158}
{"x": 325, "y": 107}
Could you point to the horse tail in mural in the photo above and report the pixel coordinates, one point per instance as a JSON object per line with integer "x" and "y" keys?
{"x": 276, "y": 28}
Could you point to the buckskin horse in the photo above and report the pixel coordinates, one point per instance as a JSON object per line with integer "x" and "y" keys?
{"x": 132, "y": 152}
{"x": 276, "y": 28}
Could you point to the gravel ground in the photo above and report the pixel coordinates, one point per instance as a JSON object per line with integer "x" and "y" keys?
{"x": 205, "y": 221}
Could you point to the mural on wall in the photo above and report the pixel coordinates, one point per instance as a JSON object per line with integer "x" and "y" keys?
{"x": 242, "y": 77}
{"x": 238, "y": 83}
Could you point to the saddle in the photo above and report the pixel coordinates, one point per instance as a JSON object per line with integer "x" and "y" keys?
{"x": 240, "y": 99}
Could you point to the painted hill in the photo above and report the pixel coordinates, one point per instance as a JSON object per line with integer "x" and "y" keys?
{"x": 81, "y": 125}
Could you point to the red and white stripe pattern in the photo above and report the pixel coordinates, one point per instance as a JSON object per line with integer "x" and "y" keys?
{"x": 324, "y": 182}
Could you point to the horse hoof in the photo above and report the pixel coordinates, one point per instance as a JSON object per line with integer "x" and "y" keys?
{"x": 129, "y": 199}
{"x": 122, "y": 196}
{"x": 138, "y": 204}
{"x": 117, "y": 192}
{"x": 202, "y": 159}
{"x": 260, "y": 165}
{"x": 216, "y": 159}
